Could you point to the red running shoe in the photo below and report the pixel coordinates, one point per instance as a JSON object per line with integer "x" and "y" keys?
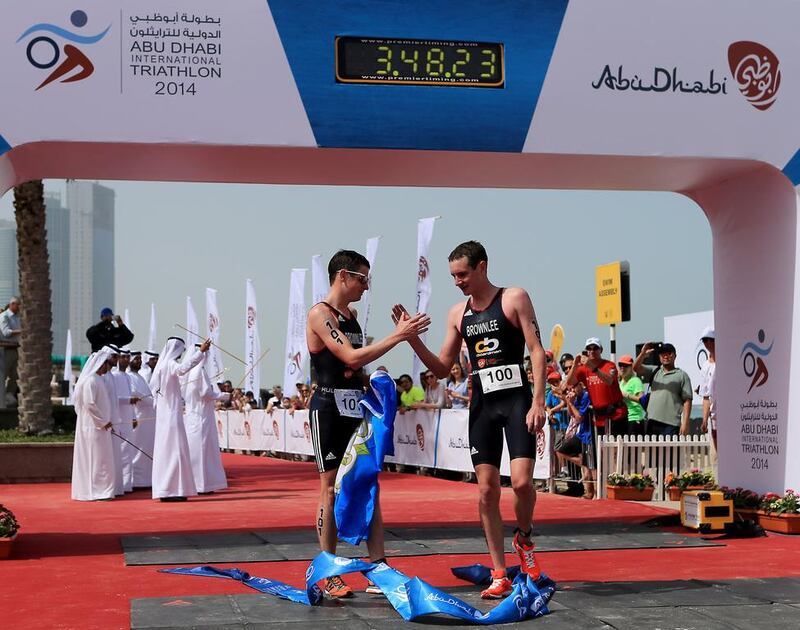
{"x": 527, "y": 559}
{"x": 500, "y": 588}
{"x": 335, "y": 588}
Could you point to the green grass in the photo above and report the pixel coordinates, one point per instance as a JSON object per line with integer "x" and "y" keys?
{"x": 9, "y": 436}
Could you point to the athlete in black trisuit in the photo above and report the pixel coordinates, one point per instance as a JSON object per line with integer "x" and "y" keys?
{"x": 335, "y": 343}
{"x": 496, "y": 324}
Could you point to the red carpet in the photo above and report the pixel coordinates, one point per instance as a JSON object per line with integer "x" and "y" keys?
{"x": 67, "y": 570}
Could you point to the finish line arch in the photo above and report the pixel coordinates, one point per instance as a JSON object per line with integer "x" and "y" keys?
{"x": 578, "y": 94}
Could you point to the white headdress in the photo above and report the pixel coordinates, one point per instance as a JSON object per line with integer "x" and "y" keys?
{"x": 170, "y": 352}
{"x": 94, "y": 363}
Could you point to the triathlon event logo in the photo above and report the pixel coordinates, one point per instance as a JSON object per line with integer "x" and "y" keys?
{"x": 753, "y": 364}
{"x": 424, "y": 268}
{"x": 755, "y": 69}
{"x": 213, "y": 323}
{"x": 44, "y": 52}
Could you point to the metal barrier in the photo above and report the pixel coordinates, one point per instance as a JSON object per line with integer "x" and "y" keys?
{"x": 627, "y": 454}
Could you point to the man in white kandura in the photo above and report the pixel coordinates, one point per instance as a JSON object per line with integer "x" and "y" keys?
{"x": 173, "y": 479}
{"x": 111, "y": 387}
{"x": 127, "y": 417}
{"x": 93, "y": 470}
{"x": 201, "y": 430}
{"x": 144, "y": 435}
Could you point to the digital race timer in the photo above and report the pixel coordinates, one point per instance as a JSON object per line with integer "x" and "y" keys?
{"x": 418, "y": 62}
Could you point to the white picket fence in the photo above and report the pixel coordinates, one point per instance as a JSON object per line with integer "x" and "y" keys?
{"x": 658, "y": 455}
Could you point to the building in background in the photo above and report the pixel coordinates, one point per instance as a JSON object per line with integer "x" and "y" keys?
{"x": 80, "y": 246}
{"x": 57, "y": 223}
{"x": 91, "y": 257}
{"x": 9, "y": 277}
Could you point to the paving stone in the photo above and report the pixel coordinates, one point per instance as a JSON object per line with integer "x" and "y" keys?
{"x": 183, "y": 612}
{"x": 777, "y": 590}
{"x": 688, "y": 593}
{"x": 664, "y": 618}
{"x": 771, "y": 616}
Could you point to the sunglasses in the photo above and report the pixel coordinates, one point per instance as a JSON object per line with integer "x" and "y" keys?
{"x": 430, "y": 376}
{"x": 624, "y": 365}
{"x": 593, "y": 348}
{"x": 363, "y": 278}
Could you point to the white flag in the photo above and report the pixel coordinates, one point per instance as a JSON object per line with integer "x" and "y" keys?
{"x": 319, "y": 280}
{"x": 68, "y": 376}
{"x": 424, "y": 237}
{"x": 296, "y": 347}
{"x": 151, "y": 339}
{"x": 366, "y": 302}
{"x": 252, "y": 343}
{"x": 213, "y": 364}
{"x": 193, "y": 336}
{"x": 126, "y": 319}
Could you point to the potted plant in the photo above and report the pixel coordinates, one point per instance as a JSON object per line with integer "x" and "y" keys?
{"x": 694, "y": 479}
{"x": 745, "y": 502}
{"x": 780, "y": 513}
{"x": 634, "y": 487}
{"x": 8, "y": 531}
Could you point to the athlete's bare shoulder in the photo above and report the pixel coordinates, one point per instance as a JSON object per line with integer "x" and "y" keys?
{"x": 456, "y": 312}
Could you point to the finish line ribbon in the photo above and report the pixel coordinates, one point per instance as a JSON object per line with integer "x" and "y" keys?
{"x": 411, "y": 598}
{"x": 356, "y": 494}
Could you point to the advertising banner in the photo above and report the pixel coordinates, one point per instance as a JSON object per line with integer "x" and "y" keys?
{"x": 244, "y": 431}
{"x": 298, "y": 433}
{"x": 151, "y": 337}
{"x": 213, "y": 365}
{"x": 415, "y": 438}
{"x": 452, "y": 442}
{"x": 424, "y": 289}
{"x": 222, "y": 428}
{"x": 683, "y": 332}
{"x": 252, "y": 342}
{"x": 273, "y": 435}
{"x": 366, "y": 298}
{"x": 296, "y": 348}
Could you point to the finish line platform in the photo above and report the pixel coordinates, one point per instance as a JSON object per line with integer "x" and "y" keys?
{"x": 68, "y": 566}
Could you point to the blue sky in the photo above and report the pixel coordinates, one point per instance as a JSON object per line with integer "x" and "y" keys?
{"x": 173, "y": 240}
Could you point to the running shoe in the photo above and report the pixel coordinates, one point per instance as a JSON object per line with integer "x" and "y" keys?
{"x": 373, "y": 588}
{"x": 500, "y": 587}
{"x": 527, "y": 558}
{"x": 335, "y": 588}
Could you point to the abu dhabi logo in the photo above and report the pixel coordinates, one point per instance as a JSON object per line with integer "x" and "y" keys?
{"x": 753, "y": 66}
{"x": 756, "y": 70}
{"x": 753, "y": 364}
{"x": 44, "y": 52}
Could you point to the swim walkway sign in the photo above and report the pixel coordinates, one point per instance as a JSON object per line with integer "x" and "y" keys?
{"x": 700, "y": 99}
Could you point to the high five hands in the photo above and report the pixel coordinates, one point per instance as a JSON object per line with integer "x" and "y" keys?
{"x": 406, "y": 326}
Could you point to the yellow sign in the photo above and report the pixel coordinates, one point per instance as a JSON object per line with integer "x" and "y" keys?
{"x": 556, "y": 341}
{"x": 608, "y": 292}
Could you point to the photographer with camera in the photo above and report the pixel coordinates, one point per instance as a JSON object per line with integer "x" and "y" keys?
{"x": 670, "y": 391}
{"x": 110, "y": 330}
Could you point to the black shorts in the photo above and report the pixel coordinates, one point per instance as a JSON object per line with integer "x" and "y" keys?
{"x": 489, "y": 414}
{"x": 330, "y": 435}
{"x": 571, "y": 447}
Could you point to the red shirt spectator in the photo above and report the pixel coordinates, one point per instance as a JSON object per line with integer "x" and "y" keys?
{"x": 604, "y": 391}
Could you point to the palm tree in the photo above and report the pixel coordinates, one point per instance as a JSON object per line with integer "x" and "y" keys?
{"x": 36, "y": 342}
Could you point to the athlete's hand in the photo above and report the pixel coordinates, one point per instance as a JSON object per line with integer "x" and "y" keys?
{"x": 205, "y": 345}
{"x": 412, "y": 327}
{"x": 536, "y": 418}
{"x": 399, "y": 312}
